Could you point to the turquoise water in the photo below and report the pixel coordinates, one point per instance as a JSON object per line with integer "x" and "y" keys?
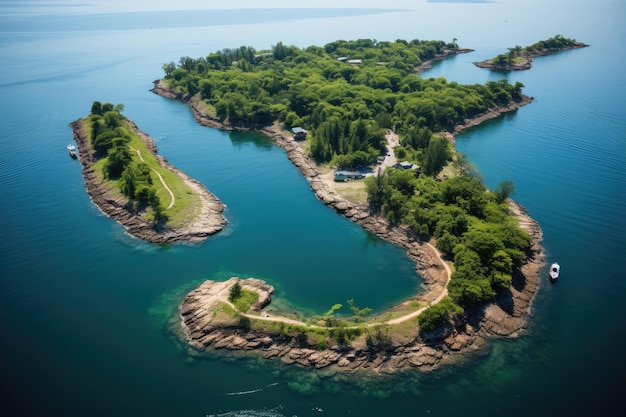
{"x": 82, "y": 305}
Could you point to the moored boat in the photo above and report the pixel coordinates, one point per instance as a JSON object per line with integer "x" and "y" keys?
{"x": 72, "y": 150}
{"x": 555, "y": 270}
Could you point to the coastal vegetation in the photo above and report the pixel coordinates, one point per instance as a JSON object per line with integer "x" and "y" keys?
{"x": 127, "y": 167}
{"x": 345, "y": 94}
{"x": 519, "y": 57}
{"x": 242, "y": 298}
{"x": 348, "y": 95}
{"x": 470, "y": 223}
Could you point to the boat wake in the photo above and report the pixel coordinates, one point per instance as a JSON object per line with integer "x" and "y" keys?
{"x": 254, "y": 391}
{"x": 275, "y": 412}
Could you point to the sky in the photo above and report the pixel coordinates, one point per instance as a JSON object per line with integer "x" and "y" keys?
{"x": 110, "y": 6}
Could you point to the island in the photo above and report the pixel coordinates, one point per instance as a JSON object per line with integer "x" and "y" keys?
{"x": 353, "y": 104}
{"x": 519, "y": 58}
{"x": 129, "y": 182}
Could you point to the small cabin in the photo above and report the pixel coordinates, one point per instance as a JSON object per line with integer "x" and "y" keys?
{"x": 355, "y": 61}
{"x": 299, "y": 133}
{"x": 408, "y": 166}
{"x": 348, "y": 175}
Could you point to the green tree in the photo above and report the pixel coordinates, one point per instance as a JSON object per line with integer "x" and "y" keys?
{"x": 466, "y": 289}
{"x": 376, "y": 189}
{"x": 234, "y": 292}
{"x": 118, "y": 158}
{"x": 435, "y": 156}
{"x": 483, "y": 243}
{"x": 168, "y": 68}
{"x": 438, "y": 314}
{"x": 96, "y": 108}
{"x": 504, "y": 190}
{"x": 331, "y": 312}
{"x": 358, "y": 313}
{"x": 447, "y": 242}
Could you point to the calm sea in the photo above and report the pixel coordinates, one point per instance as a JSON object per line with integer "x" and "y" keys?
{"x": 84, "y": 308}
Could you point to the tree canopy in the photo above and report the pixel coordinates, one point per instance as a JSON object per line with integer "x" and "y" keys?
{"x": 345, "y": 93}
{"x": 110, "y": 138}
{"x": 471, "y": 224}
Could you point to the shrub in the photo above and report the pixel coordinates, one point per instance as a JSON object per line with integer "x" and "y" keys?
{"x": 438, "y": 314}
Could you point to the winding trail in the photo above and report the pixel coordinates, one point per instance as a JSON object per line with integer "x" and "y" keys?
{"x": 173, "y": 199}
{"x": 436, "y": 300}
{"x": 223, "y": 296}
{"x": 167, "y": 188}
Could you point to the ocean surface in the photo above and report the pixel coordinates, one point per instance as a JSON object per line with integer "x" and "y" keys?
{"x": 84, "y": 308}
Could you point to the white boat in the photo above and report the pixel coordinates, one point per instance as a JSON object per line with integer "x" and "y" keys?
{"x": 555, "y": 270}
{"x": 72, "y": 149}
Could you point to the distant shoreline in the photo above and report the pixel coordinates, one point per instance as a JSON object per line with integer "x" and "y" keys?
{"x": 527, "y": 57}
{"x": 208, "y": 220}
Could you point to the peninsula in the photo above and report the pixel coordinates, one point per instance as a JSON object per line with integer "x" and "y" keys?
{"x": 519, "y": 58}
{"x": 129, "y": 182}
{"x": 212, "y": 316}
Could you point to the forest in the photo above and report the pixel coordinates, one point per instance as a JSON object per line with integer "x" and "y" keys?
{"x": 346, "y": 94}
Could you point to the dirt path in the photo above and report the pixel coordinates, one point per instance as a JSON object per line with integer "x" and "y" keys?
{"x": 392, "y": 140}
{"x": 222, "y": 296}
{"x": 167, "y": 188}
{"x": 173, "y": 199}
{"x": 435, "y": 301}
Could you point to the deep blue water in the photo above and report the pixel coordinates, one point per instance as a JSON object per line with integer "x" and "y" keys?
{"x": 82, "y": 305}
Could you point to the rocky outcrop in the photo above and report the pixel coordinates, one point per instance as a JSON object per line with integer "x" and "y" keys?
{"x": 209, "y": 218}
{"x": 206, "y": 325}
{"x": 507, "y": 316}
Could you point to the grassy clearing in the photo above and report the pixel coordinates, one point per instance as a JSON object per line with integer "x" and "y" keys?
{"x": 245, "y": 300}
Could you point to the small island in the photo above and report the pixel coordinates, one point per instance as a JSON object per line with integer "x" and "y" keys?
{"x": 358, "y": 105}
{"x": 519, "y": 58}
{"x": 131, "y": 183}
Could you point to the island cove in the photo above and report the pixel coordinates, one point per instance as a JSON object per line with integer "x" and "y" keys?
{"x": 384, "y": 343}
{"x": 207, "y": 323}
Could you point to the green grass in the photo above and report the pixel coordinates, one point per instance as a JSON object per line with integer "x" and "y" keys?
{"x": 228, "y": 310}
{"x": 246, "y": 299}
{"x": 187, "y": 203}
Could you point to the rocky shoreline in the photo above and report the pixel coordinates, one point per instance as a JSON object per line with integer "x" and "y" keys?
{"x": 206, "y": 327}
{"x": 208, "y": 220}
{"x": 507, "y": 316}
{"x": 446, "y": 53}
{"x": 528, "y": 59}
